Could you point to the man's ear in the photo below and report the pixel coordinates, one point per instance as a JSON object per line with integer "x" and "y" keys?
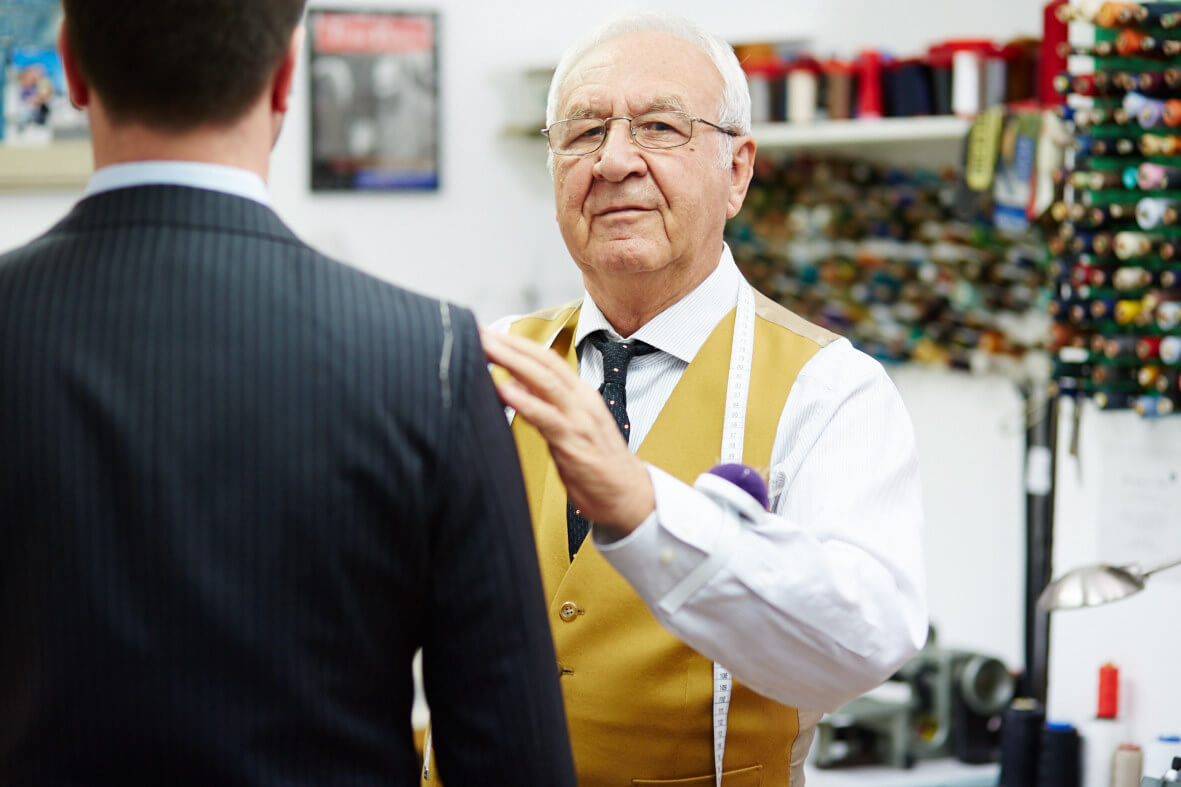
{"x": 284, "y": 79}
{"x": 75, "y": 82}
{"x": 742, "y": 168}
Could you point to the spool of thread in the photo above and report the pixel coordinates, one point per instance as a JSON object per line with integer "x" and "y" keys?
{"x": 1101, "y": 738}
{"x": 1151, "y": 176}
{"x": 940, "y": 64}
{"x": 1058, "y": 765}
{"x": 1172, "y": 113}
{"x": 907, "y": 87}
{"x": 1021, "y": 76}
{"x": 1127, "y": 766}
{"x": 966, "y": 70}
{"x": 1170, "y": 350}
{"x": 1150, "y": 212}
{"x": 1168, "y": 317}
{"x": 759, "y": 78}
{"x": 802, "y": 85}
{"x": 1021, "y": 726}
{"x": 869, "y": 77}
{"x": 1134, "y": 103}
{"x": 1132, "y": 178}
{"x": 1151, "y": 115}
{"x": 1108, "y": 692}
{"x": 995, "y": 75}
{"x": 839, "y": 89}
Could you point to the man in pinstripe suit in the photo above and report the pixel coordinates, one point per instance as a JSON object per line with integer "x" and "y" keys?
{"x": 241, "y": 484}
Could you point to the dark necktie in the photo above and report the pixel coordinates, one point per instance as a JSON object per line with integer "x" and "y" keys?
{"x": 616, "y": 358}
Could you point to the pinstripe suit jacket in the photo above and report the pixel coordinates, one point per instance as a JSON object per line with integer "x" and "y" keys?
{"x": 240, "y": 485}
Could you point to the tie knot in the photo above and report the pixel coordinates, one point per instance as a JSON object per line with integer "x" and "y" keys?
{"x": 617, "y": 355}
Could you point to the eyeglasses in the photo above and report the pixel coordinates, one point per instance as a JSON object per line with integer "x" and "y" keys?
{"x": 652, "y": 130}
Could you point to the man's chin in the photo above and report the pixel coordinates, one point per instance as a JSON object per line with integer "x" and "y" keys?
{"x": 626, "y": 255}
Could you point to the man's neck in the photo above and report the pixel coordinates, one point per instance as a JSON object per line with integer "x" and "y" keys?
{"x": 243, "y": 145}
{"x": 630, "y": 301}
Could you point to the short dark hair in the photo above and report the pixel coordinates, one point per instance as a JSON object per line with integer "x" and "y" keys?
{"x": 179, "y": 64}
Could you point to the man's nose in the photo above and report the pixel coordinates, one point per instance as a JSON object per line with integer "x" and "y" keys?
{"x": 620, "y": 155}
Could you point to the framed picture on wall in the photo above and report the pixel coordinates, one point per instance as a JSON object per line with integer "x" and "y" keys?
{"x": 44, "y": 141}
{"x": 374, "y": 100}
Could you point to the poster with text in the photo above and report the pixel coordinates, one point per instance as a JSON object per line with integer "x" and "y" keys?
{"x": 374, "y": 100}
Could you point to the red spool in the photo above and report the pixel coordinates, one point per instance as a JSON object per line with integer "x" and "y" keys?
{"x": 1108, "y": 691}
{"x": 869, "y": 96}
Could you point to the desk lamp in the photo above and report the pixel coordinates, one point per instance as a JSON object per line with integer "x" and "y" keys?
{"x": 1090, "y": 586}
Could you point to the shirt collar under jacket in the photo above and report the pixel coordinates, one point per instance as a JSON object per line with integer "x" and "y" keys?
{"x": 681, "y": 329}
{"x": 194, "y": 174}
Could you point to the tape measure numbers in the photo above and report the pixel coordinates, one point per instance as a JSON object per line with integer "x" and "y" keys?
{"x": 733, "y": 436}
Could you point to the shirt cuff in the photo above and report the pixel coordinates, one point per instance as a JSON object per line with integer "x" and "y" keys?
{"x": 686, "y": 530}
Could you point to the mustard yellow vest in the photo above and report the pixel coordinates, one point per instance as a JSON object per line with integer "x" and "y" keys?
{"x": 639, "y": 702}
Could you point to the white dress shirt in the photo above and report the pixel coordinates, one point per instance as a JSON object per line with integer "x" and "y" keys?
{"x": 824, "y": 598}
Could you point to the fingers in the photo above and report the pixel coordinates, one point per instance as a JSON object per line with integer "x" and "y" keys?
{"x": 547, "y": 393}
{"x": 541, "y": 387}
{"x": 546, "y": 417}
{"x": 539, "y": 368}
{"x": 582, "y": 435}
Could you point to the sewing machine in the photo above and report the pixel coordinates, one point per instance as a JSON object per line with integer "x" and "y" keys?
{"x": 942, "y": 703}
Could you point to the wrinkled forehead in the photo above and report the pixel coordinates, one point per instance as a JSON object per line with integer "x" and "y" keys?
{"x": 641, "y": 72}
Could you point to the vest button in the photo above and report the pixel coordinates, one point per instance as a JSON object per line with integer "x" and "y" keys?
{"x": 569, "y": 611}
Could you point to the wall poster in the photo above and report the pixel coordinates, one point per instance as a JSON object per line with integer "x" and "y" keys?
{"x": 374, "y": 100}
{"x": 44, "y": 141}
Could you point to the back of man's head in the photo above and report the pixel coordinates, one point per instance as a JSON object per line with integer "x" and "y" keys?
{"x": 179, "y": 64}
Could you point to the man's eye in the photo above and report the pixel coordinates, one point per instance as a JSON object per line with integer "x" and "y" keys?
{"x": 591, "y": 133}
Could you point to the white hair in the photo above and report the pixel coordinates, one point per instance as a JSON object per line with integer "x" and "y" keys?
{"x": 734, "y": 109}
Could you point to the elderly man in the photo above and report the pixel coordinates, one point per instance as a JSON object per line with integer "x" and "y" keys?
{"x": 241, "y": 483}
{"x": 808, "y": 604}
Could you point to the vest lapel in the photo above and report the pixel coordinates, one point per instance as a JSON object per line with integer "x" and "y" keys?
{"x": 542, "y": 483}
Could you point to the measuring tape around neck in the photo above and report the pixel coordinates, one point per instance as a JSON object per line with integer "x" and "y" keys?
{"x": 733, "y": 435}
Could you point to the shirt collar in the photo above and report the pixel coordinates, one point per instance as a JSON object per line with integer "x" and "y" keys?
{"x": 194, "y": 174}
{"x": 682, "y": 328}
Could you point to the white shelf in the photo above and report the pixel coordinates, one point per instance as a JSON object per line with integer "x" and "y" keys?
{"x": 842, "y": 133}
{"x": 62, "y": 165}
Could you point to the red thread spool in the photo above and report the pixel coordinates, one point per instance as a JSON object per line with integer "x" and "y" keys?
{"x": 1108, "y": 691}
{"x": 1172, "y": 112}
{"x": 869, "y": 86}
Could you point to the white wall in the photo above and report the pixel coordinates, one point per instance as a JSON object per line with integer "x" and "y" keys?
{"x": 1119, "y": 501}
{"x": 971, "y": 438}
{"x": 487, "y": 238}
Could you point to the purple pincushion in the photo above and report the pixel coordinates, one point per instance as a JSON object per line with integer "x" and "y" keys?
{"x": 745, "y": 478}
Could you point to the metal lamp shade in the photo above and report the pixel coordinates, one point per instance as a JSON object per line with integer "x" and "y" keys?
{"x": 1090, "y": 586}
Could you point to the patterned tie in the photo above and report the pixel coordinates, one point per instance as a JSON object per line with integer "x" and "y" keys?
{"x": 616, "y": 358}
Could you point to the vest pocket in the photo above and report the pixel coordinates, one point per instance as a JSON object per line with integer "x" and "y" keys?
{"x": 742, "y": 777}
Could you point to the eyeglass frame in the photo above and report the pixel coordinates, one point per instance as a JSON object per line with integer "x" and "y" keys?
{"x": 632, "y": 132}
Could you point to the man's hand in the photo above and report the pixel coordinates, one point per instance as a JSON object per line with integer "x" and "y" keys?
{"x": 608, "y": 485}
